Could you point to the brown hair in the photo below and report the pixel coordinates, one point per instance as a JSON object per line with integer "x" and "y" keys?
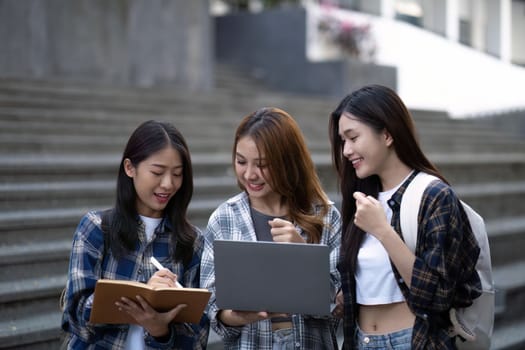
{"x": 292, "y": 171}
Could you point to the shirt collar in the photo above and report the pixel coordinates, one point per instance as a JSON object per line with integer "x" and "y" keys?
{"x": 395, "y": 200}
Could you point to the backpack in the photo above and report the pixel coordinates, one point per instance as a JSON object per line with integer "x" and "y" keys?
{"x": 474, "y": 324}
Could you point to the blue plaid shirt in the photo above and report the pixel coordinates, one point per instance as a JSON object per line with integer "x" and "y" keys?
{"x": 443, "y": 275}
{"x": 232, "y": 220}
{"x": 90, "y": 261}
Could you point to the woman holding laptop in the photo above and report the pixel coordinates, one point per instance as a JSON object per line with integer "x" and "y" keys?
{"x": 281, "y": 200}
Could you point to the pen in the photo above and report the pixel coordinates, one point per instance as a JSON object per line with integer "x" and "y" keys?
{"x": 159, "y": 266}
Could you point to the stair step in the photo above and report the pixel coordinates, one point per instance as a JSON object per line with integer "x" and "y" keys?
{"x": 33, "y": 328}
{"x": 86, "y": 166}
{"x": 506, "y": 238}
{"x": 35, "y": 252}
{"x": 95, "y": 193}
{"x": 490, "y": 199}
{"x": 509, "y": 337}
{"x": 458, "y": 167}
{"x": 31, "y": 289}
{"x": 510, "y": 290}
{"x": 199, "y": 209}
{"x": 76, "y": 119}
{"x": 479, "y": 167}
{"x": 511, "y": 276}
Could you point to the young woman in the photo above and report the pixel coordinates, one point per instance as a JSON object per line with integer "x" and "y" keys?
{"x": 281, "y": 200}
{"x": 394, "y": 298}
{"x": 154, "y": 188}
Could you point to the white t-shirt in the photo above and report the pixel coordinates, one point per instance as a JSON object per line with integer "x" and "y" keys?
{"x": 375, "y": 281}
{"x": 135, "y": 338}
{"x": 150, "y": 224}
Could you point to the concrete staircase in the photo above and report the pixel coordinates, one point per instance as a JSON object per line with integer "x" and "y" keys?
{"x": 60, "y": 145}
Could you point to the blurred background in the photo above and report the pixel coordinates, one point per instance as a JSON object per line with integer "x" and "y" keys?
{"x": 77, "y": 77}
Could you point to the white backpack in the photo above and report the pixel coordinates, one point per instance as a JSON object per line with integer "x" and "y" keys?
{"x": 474, "y": 323}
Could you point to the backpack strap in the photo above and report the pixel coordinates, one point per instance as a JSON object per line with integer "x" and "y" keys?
{"x": 474, "y": 323}
{"x": 409, "y": 210}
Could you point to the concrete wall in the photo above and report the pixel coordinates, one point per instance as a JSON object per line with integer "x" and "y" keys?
{"x": 518, "y": 30}
{"x": 272, "y": 45}
{"x": 434, "y": 15}
{"x": 372, "y": 7}
{"x": 138, "y": 42}
{"x": 493, "y": 34}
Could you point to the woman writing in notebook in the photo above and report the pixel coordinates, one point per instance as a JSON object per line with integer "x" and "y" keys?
{"x": 282, "y": 201}
{"x": 394, "y": 298}
{"x": 154, "y": 188}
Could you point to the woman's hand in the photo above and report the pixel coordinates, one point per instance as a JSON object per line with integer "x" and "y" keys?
{"x": 338, "y": 311}
{"x": 162, "y": 279}
{"x": 155, "y": 323}
{"x": 370, "y": 216}
{"x": 235, "y": 318}
{"x": 284, "y": 231}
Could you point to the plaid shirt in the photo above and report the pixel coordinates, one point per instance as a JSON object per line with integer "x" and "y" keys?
{"x": 90, "y": 261}
{"x": 443, "y": 273}
{"x": 232, "y": 220}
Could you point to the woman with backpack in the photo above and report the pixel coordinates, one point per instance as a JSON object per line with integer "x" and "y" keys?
{"x": 394, "y": 298}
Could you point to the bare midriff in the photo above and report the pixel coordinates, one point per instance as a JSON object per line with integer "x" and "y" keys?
{"x": 385, "y": 318}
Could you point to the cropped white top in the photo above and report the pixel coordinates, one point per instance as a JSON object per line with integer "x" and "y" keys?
{"x": 375, "y": 281}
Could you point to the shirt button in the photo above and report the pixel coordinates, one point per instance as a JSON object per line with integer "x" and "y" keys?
{"x": 366, "y": 340}
{"x": 391, "y": 203}
{"x": 401, "y": 280}
{"x": 297, "y": 345}
{"x": 425, "y": 316}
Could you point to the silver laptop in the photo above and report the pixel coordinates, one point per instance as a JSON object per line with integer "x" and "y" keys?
{"x": 273, "y": 277}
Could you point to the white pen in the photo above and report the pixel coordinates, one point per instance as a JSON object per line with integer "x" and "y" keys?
{"x": 159, "y": 266}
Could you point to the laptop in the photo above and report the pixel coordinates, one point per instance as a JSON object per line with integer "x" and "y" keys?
{"x": 274, "y": 277}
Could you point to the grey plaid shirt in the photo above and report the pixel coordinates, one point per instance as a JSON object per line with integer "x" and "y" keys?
{"x": 232, "y": 220}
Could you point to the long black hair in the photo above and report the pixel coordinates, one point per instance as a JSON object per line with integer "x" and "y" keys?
{"x": 121, "y": 223}
{"x": 381, "y": 109}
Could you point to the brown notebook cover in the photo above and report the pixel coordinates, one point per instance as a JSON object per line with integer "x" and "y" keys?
{"x": 107, "y": 292}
